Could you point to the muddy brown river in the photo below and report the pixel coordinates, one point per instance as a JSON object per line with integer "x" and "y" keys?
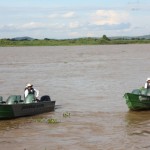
{"x": 88, "y": 83}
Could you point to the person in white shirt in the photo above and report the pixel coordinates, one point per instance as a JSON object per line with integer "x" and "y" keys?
{"x": 30, "y": 90}
{"x": 147, "y": 84}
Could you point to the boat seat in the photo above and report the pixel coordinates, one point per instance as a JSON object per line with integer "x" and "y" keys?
{"x": 1, "y": 99}
{"x": 18, "y": 98}
{"x": 30, "y": 98}
{"x": 148, "y": 92}
{"x": 136, "y": 91}
{"x": 13, "y": 99}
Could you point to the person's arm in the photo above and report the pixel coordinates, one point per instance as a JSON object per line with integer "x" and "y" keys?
{"x": 25, "y": 93}
{"x": 145, "y": 86}
{"x": 36, "y": 93}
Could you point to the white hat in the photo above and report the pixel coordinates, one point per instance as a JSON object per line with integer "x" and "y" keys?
{"x": 28, "y": 85}
{"x": 148, "y": 79}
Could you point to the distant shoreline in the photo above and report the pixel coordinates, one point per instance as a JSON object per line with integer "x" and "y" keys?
{"x": 71, "y": 42}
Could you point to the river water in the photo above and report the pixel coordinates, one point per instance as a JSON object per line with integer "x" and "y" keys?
{"x": 88, "y": 83}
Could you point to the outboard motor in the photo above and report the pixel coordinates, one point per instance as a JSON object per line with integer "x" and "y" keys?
{"x": 45, "y": 98}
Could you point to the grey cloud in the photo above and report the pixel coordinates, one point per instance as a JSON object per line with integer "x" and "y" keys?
{"x": 8, "y": 28}
{"x": 120, "y": 26}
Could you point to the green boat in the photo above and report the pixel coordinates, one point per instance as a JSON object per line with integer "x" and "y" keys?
{"x": 138, "y": 99}
{"x": 14, "y": 107}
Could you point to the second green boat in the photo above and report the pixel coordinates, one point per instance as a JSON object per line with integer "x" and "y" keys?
{"x": 138, "y": 99}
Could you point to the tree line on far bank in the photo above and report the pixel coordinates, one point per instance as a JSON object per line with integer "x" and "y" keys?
{"x": 27, "y": 41}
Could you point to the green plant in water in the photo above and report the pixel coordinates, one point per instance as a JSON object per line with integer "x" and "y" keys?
{"x": 40, "y": 120}
{"x": 52, "y": 121}
{"x": 66, "y": 114}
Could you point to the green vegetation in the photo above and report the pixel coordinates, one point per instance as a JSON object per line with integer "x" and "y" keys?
{"x": 52, "y": 120}
{"x": 72, "y": 42}
{"x": 66, "y": 114}
{"x": 49, "y": 120}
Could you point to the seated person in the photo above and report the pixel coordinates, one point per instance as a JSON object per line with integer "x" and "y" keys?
{"x": 30, "y": 90}
{"x": 147, "y": 84}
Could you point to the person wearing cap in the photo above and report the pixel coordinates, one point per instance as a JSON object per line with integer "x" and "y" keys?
{"x": 30, "y": 90}
{"x": 147, "y": 84}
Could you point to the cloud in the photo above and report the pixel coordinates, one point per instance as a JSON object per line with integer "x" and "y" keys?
{"x": 8, "y": 28}
{"x": 53, "y": 15}
{"x": 33, "y": 25}
{"x": 74, "y": 34}
{"x": 121, "y": 26}
{"x": 73, "y": 25}
{"x": 102, "y": 17}
{"x": 22, "y": 27}
{"x": 69, "y": 14}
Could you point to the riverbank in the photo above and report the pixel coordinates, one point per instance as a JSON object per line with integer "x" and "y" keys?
{"x": 70, "y": 42}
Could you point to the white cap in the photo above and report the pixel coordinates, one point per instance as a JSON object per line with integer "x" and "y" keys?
{"x": 28, "y": 85}
{"x": 148, "y": 79}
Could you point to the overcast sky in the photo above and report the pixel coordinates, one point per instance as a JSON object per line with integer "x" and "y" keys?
{"x": 61, "y": 19}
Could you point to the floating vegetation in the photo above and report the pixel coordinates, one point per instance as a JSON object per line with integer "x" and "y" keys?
{"x": 66, "y": 114}
{"x": 49, "y": 120}
{"x": 52, "y": 121}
